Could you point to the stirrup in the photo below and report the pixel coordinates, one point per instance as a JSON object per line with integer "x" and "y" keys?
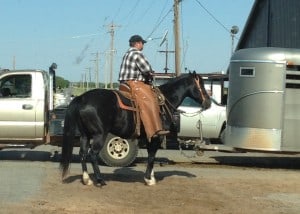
{"x": 162, "y": 132}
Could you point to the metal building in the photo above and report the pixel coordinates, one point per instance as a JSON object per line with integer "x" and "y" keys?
{"x": 272, "y": 23}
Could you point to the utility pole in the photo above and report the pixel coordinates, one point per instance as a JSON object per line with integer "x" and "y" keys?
{"x": 88, "y": 77}
{"x": 96, "y": 69}
{"x": 176, "y": 36}
{"x": 111, "y": 30}
{"x": 14, "y": 63}
{"x": 82, "y": 81}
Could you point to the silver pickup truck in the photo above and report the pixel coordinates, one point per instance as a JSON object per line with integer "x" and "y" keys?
{"x": 25, "y": 106}
{"x": 28, "y": 117}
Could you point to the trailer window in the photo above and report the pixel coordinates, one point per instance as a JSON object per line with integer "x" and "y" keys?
{"x": 247, "y": 71}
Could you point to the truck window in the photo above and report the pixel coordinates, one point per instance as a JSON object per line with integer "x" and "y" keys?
{"x": 15, "y": 86}
{"x": 190, "y": 102}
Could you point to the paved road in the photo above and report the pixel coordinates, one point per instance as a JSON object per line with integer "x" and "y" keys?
{"x": 22, "y": 171}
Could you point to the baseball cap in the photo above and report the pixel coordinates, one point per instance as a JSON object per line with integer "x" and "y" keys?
{"x": 137, "y": 38}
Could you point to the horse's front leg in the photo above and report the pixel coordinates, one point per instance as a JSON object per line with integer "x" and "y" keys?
{"x": 83, "y": 152}
{"x": 152, "y": 148}
{"x": 94, "y": 153}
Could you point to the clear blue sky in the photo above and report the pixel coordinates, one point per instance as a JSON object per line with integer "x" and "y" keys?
{"x": 69, "y": 32}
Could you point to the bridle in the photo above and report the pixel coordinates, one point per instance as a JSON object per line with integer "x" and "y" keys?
{"x": 197, "y": 81}
{"x": 165, "y": 100}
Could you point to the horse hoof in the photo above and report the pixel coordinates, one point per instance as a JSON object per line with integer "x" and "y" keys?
{"x": 100, "y": 183}
{"x": 150, "y": 182}
{"x": 86, "y": 179}
{"x": 87, "y": 182}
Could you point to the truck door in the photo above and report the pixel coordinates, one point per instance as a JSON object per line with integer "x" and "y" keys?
{"x": 17, "y": 107}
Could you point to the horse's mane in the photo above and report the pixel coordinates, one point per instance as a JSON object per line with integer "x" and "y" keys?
{"x": 176, "y": 79}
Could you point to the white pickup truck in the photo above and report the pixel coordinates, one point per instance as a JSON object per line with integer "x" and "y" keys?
{"x": 28, "y": 117}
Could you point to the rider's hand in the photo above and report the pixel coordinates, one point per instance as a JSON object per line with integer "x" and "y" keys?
{"x": 149, "y": 78}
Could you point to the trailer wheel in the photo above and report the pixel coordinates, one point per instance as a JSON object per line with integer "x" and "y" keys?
{"x": 119, "y": 152}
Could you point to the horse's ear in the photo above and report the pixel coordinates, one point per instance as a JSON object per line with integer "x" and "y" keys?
{"x": 195, "y": 74}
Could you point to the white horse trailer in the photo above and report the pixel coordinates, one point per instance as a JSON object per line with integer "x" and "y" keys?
{"x": 263, "y": 106}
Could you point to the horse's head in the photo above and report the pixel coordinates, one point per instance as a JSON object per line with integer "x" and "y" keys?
{"x": 186, "y": 85}
{"x": 198, "y": 91}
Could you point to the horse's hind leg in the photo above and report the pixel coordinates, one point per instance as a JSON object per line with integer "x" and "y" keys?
{"x": 94, "y": 153}
{"x": 83, "y": 153}
{"x": 92, "y": 124}
{"x": 152, "y": 148}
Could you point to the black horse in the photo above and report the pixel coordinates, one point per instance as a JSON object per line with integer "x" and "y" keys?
{"x": 97, "y": 112}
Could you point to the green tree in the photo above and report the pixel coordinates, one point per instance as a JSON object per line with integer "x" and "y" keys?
{"x": 61, "y": 82}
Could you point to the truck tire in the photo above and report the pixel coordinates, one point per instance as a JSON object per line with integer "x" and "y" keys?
{"x": 119, "y": 152}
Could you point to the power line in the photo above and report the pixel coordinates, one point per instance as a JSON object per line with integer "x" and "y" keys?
{"x": 140, "y": 18}
{"x": 212, "y": 16}
{"x": 155, "y": 27}
{"x": 129, "y": 15}
{"x": 131, "y": 12}
{"x": 118, "y": 11}
{"x": 161, "y": 13}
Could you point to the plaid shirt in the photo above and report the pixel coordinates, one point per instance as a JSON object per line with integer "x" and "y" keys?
{"x": 134, "y": 66}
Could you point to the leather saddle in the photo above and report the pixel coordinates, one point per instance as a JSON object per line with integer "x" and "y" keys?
{"x": 125, "y": 91}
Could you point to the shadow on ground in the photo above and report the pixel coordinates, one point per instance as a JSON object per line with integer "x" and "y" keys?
{"x": 131, "y": 175}
{"x": 283, "y": 162}
{"x": 273, "y": 162}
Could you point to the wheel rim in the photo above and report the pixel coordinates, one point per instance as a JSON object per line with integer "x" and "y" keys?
{"x": 118, "y": 148}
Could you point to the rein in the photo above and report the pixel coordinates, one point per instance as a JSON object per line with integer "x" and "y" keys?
{"x": 162, "y": 100}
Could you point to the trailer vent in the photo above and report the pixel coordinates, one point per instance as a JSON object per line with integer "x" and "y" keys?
{"x": 292, "y": 76}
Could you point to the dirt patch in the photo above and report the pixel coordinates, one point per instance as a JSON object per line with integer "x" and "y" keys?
{"x": 180, "y": 189}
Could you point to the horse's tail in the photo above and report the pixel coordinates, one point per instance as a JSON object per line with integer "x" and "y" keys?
{"x": 68, "y": 139}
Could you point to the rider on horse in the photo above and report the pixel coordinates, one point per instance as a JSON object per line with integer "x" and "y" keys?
{"x": 137, "y": 73}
